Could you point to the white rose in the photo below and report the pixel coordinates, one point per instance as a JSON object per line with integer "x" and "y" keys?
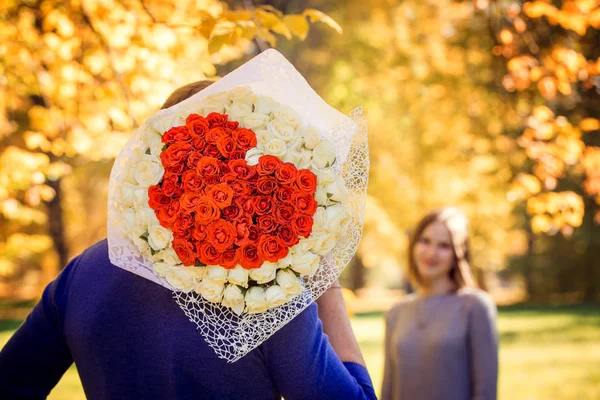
{"x": 301, "y": 247}
{"x": 159, "y": 237}
{"x": 306, "y": 264}
{"x": 253, "y": 155}
{"x": 264, "y": 274}
{"x": 320, "y": 219}
{"x": 293, "y": 157}
{"x": 215, "y": 103}
{"x": 275, "y": 147}
{"x": 275, "y": 296}
{"x": 264, "y": 105}
{"x": 197, "y": 272}
{"x": 217, "y": 273}
{"x": 281, "y": 130}
{"x": 305, "y": 158}
{"x": 238, "y": 276}
{"x": 127, "y": 192}
{"x": 238, "y": 110}
{"x": 162, "y": 124}
{"x": 211, "y": 291}
{"x": 242, "y": 95}
{"x": 295, "y": 144}
{"x": 255, "y": 300}
{"x": 321, "y": 197}
{"x": 150, "y": 137}
{"x": 140, "y": 198}
{"x": 141, "y": 244}
{"x": 311, "y": 137}
{"x": 262, "y": 137}
{"x": 285, "y": 261}
{"x": 156, "y": 149}
{"x": 233, "y": 298}
{"x": 168, "y": 256}
{"x": 325, "y": 177}
{"x": 289, "y": 282}
{"x": 255, "y": 120}
{"x": 323, "y": 155}
{"x": 324, "y": 243}
{"x": 149, "y": 171}
{"x": 128, "y": 219}
{"x": 337, "y": 190}
{"x": 180, "y": 278}
{"x": 161, "y": 268}
{"x": 145, "y": 217}
{"x": 286, "y": 115}
{"x": 338, "y": 219}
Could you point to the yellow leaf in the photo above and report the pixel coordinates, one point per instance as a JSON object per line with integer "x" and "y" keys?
{"x": 589, "y": 124}
{"x": 270, "y": 8}
{"x": 318, "y": 16}
{"x": 282, "y": 29}
{"x": 267, "y": 19}
{"x": 217, "y": 41}
{"x": 207, "y": 24}
{"x": 297, "y": 25}
{"x": 266, "y": 35}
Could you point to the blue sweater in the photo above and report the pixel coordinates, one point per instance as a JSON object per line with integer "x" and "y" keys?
{"x": 129, "y": 340}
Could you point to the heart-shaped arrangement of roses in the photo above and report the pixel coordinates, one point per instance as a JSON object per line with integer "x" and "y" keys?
{"x": 221, "y": 210}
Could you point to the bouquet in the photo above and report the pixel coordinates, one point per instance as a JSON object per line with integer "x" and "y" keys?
{"x": 239, "y": 200}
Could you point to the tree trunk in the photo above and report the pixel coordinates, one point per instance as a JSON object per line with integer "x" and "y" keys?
{"x": 56, "y": 226}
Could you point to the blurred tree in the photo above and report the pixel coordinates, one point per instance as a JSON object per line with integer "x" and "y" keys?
{"x": 78, "y": 76}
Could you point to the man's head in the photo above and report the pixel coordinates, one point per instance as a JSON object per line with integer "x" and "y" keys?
{"x": 185, "y": 92}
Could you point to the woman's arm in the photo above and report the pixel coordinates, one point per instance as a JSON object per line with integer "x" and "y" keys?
{"x": 483, "y": 346}
{"x": 336, "y": 325}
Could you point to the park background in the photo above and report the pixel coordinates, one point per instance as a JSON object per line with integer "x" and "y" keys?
{"x": 492, "y": 106}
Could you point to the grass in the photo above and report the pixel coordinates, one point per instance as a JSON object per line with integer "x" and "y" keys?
{"x": 546, "y": 352}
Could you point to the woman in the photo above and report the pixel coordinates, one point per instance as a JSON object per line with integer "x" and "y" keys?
{"x": 441, "y": 342}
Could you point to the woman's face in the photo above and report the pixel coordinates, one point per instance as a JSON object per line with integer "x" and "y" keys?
{"x": 433, "y": 253}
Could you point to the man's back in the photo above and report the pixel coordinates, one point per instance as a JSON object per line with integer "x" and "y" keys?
{"x": 129, "y": 339}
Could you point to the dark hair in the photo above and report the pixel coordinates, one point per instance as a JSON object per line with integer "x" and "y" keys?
{"x": 457, "y": 224}
{"x": 185, "y": 92}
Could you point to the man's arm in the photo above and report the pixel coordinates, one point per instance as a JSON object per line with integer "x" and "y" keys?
{"x": 37, "y": 356}
{"x": 336, "y": 325}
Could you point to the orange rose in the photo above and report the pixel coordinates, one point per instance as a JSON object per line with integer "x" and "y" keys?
{"x": 185, "y": 251}
{"x": 213, "y": 134}
{"x": 229, "y": 259}
{"x": 267, "y": 165}
{"x": 189, "y": 202}
{"x": 305, "y": 203}
{"x": 216, "y": 119}
{"x": 306, "y": 181}
{"x": 206, "y": 211}
{"x": 208, "y": 254}
{"x": 244, "y": 139}
{"x": 225, "y": 145}
{"x": 287, "y": 236}
{"x": 285, "y": 214}
{"x": 271, "y": 248}
{"x": 221, "y": 194}
{"x": 287, "y": 173}
{"x": 221, "y": 234}
{"x": 248, "y": 257}
{"x": 175, "y": 154}
{"x": 303, "y": 225}
{"x": 176, "y": 134}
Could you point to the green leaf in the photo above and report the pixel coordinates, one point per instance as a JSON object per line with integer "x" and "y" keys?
{"x": 329, "y": 195}
{"x": 152, "y": 251}
{"x": 148, "y": 151}
{"x": 199, "y": 264}
{"x": 164, "y": 147}
{"x": 145, "y": 236}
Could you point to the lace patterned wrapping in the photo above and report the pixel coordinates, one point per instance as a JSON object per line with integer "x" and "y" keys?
{"x": 270, "y": 74}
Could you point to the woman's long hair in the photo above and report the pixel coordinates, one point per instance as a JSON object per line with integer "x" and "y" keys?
{"x": 457, "y": 224}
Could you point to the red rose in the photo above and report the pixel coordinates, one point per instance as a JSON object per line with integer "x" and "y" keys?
{"x": 285, "y": 214}
{"x": 197, "y": 125}
{"x": 271, "y": 249}
{"x": 248, "y": 256}
{"x": 212, "y": 180}
{"x": 185, "y": 251}
{"x": 199, "y": 144}
{"x": 242, "y": 225}
{"x": 304, "y": 203}
{"x": 287, "y": 235}
{"x": 170, "y": 185}
{"x": 241, "y": 169}
{"x": 244, "y": 139}
{"x": 267, "y": 223}
{"x": 232, "y": 212}
{"x": 221, "y": 234}
{"x": 284, "y": 193}
{"x": 303, "y": 225}
{"x": 189, "y": 202}
{"x": 268, "y": 164}
{"x": 208, "y": 254}
{"x": 221, "y": 194}
{"x": 175, "y": 169}
{"x": 247, "y": 205}
{"x": 176, "y": 134}
{"x": 240, "y": 187}
{"x": 199, "y": 232}
{"x": 286, "y": 174}
{"x": 306, "y": 181}
{"x": 193, "y": 159}
{"x": 266, "y": 185}
{"x": 182, "y": 224}
{"x": 263, "y": 205}
{"x": 208, "y": 166}
{"x": 228, "y": 178}
{"x": 206, "y": 211}
{"x": 211, "y": 151}
{"x": 225, "y": 145}
{"x": 232, "y": 125}
{"x": 213, "y": 134}
{"x": 157, "y": 198}
{"x": 167, "y": 216}
{"x": 191, "y": 181}
{"x": 177, "y": 153}
{"x": 229, "y": 259}
{"x": 237, "y": 155}
{"x": 216, "y": 119}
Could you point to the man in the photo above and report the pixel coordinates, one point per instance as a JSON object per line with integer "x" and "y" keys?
{"x": 129, "y": 339}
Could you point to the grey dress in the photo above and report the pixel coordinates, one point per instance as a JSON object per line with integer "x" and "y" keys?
{"x": 441, "y": 347}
